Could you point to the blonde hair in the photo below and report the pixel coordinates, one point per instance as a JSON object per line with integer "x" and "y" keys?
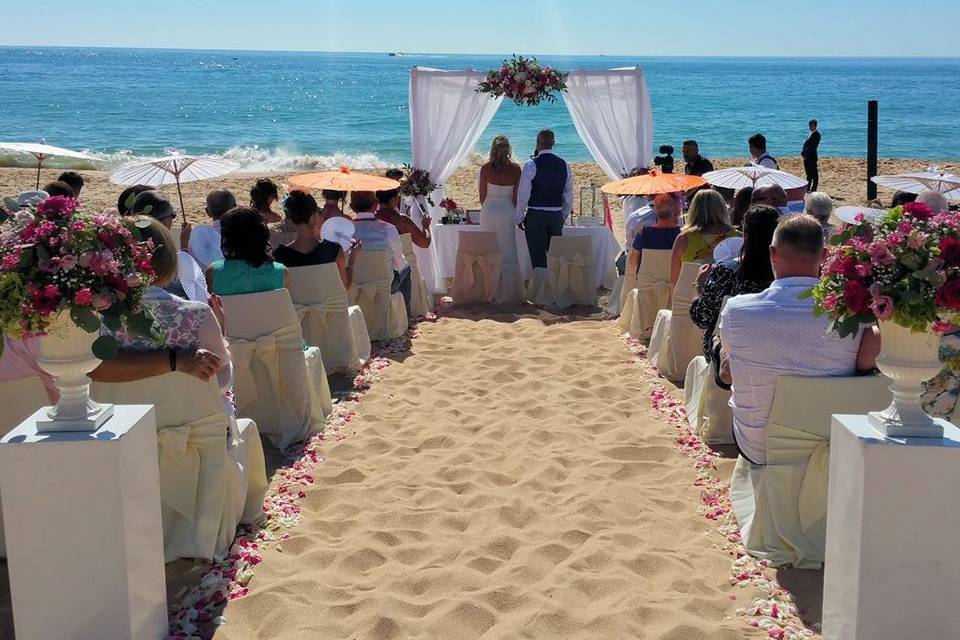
{"x": 164, "y": 260}
{"x": 707, "y": 210}
{"x": 500, "y": 153}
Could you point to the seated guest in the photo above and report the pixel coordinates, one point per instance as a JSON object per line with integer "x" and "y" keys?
{"x": 376, "y": 234}
{"x": 774, "y": 333}
{"x": 742, "y": 200}
{"x": 662, "y": 234}
{"x": 901, "y": 198}
{"x": 205, "y": 239}
{"x": 263, "y": 195}
{"x": 187, "y": 281}
{"x": 246, "y": 266}
{"x": 750, "y": 273}
{"x": 184, "y": 324}
{"x": 820, "y": 206}
{"x": 128, "y": 196}
{"x": 333, "y": 202}
{"x": 640, "y": 216}
{"x": 74, "y": 180}
{"x": 307, "y": 248}
{"x": 771, "y": 195}
{"x": 58, "y": 188}
{"x": 389, "y": 212}
{"x": 707, "y": 226}
{"x": 936, "y": 201}
{"x": 940, "y": 394}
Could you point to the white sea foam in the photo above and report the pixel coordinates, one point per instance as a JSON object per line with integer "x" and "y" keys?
{"x": 250, "y": 158}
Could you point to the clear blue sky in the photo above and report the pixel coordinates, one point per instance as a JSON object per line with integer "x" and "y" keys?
{"x": 627, "y": 27}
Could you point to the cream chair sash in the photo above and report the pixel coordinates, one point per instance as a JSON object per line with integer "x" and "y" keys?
{"x": 482, "y": 269}
{"x": 180, "y": 450}
{"x": 569, "y": 272}
{"x": 264, "y": 350}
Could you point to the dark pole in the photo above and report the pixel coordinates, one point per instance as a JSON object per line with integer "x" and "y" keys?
{"x": 871, "y": 148}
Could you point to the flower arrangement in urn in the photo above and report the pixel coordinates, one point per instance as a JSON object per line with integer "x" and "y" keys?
{"x": 417, "y": 183}
{"x": 901, "y": 270}
{"x": 904, "y": 268}
{"x": 525, "y": 81}
{"x": 64, "y": 275}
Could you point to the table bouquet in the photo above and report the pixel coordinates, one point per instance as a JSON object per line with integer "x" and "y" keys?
{"x": 525, "y": 81}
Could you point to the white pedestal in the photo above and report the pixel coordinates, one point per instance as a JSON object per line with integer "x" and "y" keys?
{"x": 892, "y": 567}
{"x": 84, "y": 535}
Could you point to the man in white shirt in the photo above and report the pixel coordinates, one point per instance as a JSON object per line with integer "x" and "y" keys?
{"x": 758, "y": 151}
{"x": 544, "y": 198}
{"x": 771, "y": 334}
{"x": 633, "y": 221}
{"x": 377, "y": 235}
{"x": 205, "y": 239}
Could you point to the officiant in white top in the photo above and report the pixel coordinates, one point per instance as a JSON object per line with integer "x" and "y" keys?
{"x": 544, "y": 198}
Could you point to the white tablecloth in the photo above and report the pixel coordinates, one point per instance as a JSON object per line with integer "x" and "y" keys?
{"x": 605, "y": 250}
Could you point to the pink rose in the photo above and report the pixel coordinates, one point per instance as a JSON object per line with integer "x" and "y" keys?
{"x": 882, "y": 307}
{"x": 948, "y": 295}
{"x": 918, "y": 210}
{"x": 68, "y": 262}
{"x": 84, "y": 297}
{"x": 855, "y": 297}
{"x": 101, "y": 302}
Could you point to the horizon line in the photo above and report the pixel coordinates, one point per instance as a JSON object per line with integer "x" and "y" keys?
{"x": 468, "y": 53}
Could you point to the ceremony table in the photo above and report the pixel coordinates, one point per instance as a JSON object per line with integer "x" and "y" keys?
{"x": 603, "y": 243}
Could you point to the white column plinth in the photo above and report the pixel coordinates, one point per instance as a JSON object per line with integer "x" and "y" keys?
{"x": 84, "y": 535}
{"x": 892, "y": 567}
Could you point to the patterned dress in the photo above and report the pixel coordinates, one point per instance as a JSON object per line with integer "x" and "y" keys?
{"x": 940, "y": 394}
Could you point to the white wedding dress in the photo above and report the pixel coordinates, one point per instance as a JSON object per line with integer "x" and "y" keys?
{"x": 499, "y": 215}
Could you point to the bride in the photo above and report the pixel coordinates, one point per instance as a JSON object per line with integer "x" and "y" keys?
{"x": 499, "y": 178}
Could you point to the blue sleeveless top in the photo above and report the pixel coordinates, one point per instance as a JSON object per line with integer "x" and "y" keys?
{"x": 235, "y": 277}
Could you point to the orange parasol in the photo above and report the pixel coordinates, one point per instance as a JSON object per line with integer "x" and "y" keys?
{"x": 653, "y": 183}
{"x": 343, "y": 180}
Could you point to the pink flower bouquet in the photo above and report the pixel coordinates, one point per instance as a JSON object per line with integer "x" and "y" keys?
{"x": 525, "y": 81}
{"x": 56, "y": 259}
{"x": 449, "y": 204}
{"x": 903, "y": 267}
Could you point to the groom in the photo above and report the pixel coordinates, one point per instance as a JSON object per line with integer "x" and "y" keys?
{"x": 544, "y": 198}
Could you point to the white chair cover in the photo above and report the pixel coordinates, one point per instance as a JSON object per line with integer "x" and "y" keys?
{"x": 686, "y": 339}
{"x": 212, "y": 471}
{"x": 324, "y": 311}
{"x": 570, "y": 273}
{"x": 652, "y": 293}
{"x": 781, "y": 507}
{"x": 658, "y": 350}
{"x": 421, "y": 302}
{"x": 478, "y": 267}
{"x": 384, "y": 313}
{"x": 361, "y": 339}
{"x": 274, "y": 384}
{"x": 19, "y": 399}
{"x": 708, "y": 408}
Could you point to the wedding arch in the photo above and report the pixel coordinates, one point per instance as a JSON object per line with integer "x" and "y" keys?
{"x": 610, "y": 110}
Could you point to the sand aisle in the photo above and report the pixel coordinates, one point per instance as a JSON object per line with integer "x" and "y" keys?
{"x": 506, "y": 481}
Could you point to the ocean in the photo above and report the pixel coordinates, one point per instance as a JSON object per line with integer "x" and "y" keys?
{"x": 285, "y": 110}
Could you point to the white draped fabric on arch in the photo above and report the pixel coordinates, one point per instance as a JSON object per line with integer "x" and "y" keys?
{"x": 610, "y": 109}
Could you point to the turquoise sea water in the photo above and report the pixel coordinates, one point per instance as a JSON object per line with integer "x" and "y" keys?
{"x": 274, "y": 110}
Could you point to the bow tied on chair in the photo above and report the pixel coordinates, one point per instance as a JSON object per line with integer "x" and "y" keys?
{"x": 477, "y": 265}
{"x": 264, "y": 349}
{"x": 570, "y": 272}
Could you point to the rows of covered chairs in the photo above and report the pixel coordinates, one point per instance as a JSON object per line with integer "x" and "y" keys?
{"x": 569, "y": 278}
{"x": 282, "y": 345}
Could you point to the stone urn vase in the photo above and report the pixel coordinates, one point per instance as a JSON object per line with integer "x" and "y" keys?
{"x": 908, "y": 359}
{"x": 66, "y": 353}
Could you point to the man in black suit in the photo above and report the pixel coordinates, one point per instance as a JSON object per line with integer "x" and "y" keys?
{"x": 810, "y": 158}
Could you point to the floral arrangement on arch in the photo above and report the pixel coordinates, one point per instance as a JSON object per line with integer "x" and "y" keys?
{"x": 57, "y": 259}
{"x": 525, "y": 81}
{"x": 417, "y": 183}
{"x": 903, "y": 267}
